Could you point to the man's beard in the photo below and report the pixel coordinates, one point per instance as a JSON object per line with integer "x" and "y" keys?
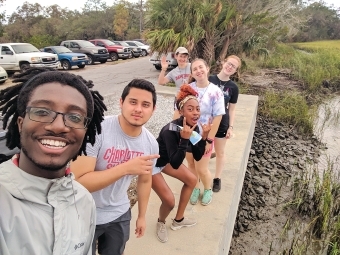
{"x": 52, "y": 167}
{"x": 132, "y": 124}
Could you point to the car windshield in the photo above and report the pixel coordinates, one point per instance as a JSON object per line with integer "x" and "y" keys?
{"x": 108, "y": 42}
{"x": 24, "y": 48}
{"x": 85, "y": 44}
{"x": 139, "y": 43}
{"x": 61, "y": 49}
{"x": 124, "y": 44}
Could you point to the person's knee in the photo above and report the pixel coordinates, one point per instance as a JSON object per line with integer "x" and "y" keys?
{"x": 169, "y": 202}
{"x": 191, "y": 165}
{"x": 191, "y": 181}
{"x": 219, "y": 154}
{"x": 202, "y": 171}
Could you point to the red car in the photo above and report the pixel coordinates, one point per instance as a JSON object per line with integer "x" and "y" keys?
{"x": 116, "y": 51}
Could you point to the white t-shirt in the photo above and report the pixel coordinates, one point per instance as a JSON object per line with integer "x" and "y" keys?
{"x": 211, "y": 101}
{"x": 113, "y": 147}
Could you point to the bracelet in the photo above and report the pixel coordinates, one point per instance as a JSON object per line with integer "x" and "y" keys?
{"x": 231, "y": 127}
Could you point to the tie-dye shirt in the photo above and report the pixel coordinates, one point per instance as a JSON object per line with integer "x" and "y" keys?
{"x": 211, "y": 101}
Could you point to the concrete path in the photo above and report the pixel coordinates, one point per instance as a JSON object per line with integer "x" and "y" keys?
{"x": 213, "y": 232}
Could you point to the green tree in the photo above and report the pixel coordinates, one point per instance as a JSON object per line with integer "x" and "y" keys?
{"x": 210, "y": 28}
{"x": 2, "y": 18}
{"x": 121, "y": 19}
{"x": 322, "y": 23}
{"x": 94, "y": 5}
{"x": 21, "y": 22}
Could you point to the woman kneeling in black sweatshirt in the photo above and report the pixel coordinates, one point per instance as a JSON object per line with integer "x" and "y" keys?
{"x": 173, "y": 145}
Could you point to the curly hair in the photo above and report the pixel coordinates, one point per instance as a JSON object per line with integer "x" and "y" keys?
{"x": 14, "y": 100}
{"x": 185, "y": 90}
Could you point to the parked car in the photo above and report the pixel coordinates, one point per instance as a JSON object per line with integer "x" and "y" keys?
{"x": 136, "y": 51}
{"x": 116, "y": 51}
{"x": 145, "y": 48}
{"x": 3, "y": 75}
{"x": 141, "y": 41}
{"x": 20, "y": 56}
{"x": 155, "y": 59}
{"x": 67, "y": 57}
{"x": 94, "y": 53}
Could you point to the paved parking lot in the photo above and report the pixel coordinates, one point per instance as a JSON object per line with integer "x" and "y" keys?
{"x": 111, "y": 77}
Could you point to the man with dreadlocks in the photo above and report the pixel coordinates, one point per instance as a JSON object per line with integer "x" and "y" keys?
{"x": 51, "y": 116}
{"x": 124, "y": 149}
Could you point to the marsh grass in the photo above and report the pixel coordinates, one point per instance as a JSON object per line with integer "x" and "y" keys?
{"x": 312, "y": 63}
{"x": 316, "y": 207}
{"x": 289, "y": 107}
{"x": 316, "y": 65}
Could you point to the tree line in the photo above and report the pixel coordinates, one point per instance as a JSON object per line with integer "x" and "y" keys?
{"x": 208, "y": 28}
{"x": 49, "y": 25}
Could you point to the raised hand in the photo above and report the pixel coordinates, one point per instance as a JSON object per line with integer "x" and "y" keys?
{"x": 187, "y": 130}
{"x": 164, "y": 64}
{"x": 140, "y": 165}
{"x": 206, "y": 129}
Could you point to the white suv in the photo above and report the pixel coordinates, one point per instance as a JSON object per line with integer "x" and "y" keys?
{"x": 145, "y": 48}
{"x": 155, "y": 59}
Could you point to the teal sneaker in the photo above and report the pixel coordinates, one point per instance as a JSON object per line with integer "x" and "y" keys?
{"x": 207, "y": 197}
{"x": 194, "y": 196}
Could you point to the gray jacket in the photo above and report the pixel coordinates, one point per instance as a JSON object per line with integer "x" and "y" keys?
{"x": 44, "y": 216}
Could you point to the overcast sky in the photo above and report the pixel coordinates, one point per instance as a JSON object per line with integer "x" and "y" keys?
{"x": 11, "y": 5}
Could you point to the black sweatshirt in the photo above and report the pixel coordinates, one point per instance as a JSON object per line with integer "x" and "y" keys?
{"x": 172, "y": 147}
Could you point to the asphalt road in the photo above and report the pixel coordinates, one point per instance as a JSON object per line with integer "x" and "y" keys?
{"x": 112, "y": 77}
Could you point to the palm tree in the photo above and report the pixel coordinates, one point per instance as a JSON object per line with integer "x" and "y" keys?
{"x": 209, "y": 27}
{"x": 196, "y": 25}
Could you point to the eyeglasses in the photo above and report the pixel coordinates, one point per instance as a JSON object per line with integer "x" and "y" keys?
{"x": 72, "y": 120}
{"x": 231, "y": 65}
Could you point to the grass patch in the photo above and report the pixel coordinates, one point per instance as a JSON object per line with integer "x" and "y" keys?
{"x": 310, "y": 63}
{"x": 289, "y": 107}
{"x": 316, "y": 65}
{"x": 170, "y": 84}
{"x": 316, "y": 199}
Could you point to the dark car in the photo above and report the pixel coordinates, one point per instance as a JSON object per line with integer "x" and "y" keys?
{"x": 67, "y": 57}
{"x": 94, "y": 53}
{"x": 136, "y": 51}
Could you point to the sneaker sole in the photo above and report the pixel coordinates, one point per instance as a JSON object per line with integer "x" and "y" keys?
{"x": 216, "y": 190}
{"x": 179, "y": 227}
{"x": 162, "y": 241}
{"x": 206, "y": 203}
{"x": 194, "y": 203}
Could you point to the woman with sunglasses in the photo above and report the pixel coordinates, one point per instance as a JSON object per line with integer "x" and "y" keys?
{"x": 225, "y": 130}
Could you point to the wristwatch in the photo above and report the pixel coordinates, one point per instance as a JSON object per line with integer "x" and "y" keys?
{"x": 210, "y": 141}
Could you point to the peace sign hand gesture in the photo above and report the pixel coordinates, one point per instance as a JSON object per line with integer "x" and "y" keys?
{"x": 187, "y": 130}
